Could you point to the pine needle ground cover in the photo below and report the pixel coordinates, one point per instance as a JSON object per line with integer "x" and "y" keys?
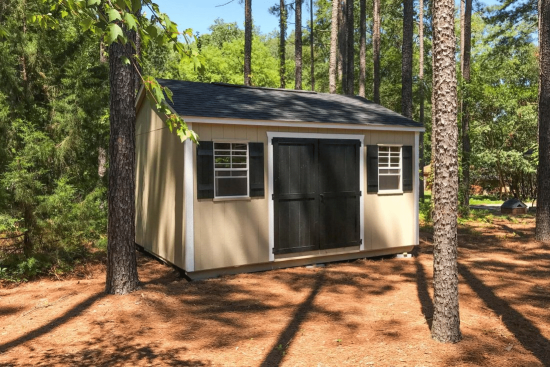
{"x": 362, "y": 313}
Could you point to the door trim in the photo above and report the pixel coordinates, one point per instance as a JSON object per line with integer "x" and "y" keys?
{"x": 270, "y": 136}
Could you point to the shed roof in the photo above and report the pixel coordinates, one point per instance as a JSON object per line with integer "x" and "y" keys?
{"x": 220, "y": 100}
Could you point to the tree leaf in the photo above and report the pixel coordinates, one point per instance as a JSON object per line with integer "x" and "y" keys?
{"x": 94, "y": 2}
{"x": 113, "y": 15}
{"x": 130, "y": 20}
{"x": 114, "y": 31}
{"x": 125, "y": 60}
{"x": 136, "y": 5}
{"x": 86, "y": 23}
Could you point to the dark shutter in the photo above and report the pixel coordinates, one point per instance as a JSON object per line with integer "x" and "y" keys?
{"x": 372, "y": 168}
{"x": 407, "y": 165}
{"x": 205, "y": 170}
{"x": 256, "y": 171}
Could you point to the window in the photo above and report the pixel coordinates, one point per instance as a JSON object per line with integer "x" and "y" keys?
{"x": 230, "y": 169}
{"x": 389, "y": 168}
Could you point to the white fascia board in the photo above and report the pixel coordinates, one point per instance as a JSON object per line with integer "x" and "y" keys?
{"x": 320, "y": 125}
{"x": 417, "y": 187}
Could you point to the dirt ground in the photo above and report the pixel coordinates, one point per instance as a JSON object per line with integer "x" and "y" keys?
{"x": 361, "y": 313}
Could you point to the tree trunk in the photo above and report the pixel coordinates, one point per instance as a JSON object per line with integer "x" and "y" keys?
{"x": 282, "y": 42}
{"x": 122, "y": 276}
{"x": 247, "y": 42}
{"x": 407, "y": 59}
{"x": 466, "y": 41}
{"x": 376, "y": 51}
{"x": 421, "y": 88}
{"x": 298, "y": 45}
{"x": 446, "y": 319}
{"x": 350, "y": 50}
{"x": 311, "y": 41}
{"x": 342, "y": 43}
{"x": 363, "y": 47}
{"x": 543, "y": 172}
{"x": 333, "y": 47}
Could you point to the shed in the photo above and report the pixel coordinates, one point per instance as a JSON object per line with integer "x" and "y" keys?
{"x": 280, "y": 178}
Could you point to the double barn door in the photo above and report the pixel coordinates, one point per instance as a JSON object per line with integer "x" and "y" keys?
{"x": 316, "y": 194}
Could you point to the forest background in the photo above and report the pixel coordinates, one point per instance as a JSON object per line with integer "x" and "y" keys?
{"x": 54, "y": 117}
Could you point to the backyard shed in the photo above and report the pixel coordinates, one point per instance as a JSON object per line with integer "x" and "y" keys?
{"x": 280, "y": 178}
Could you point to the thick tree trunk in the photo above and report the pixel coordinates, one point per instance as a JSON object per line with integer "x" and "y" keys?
{"x": 466, "y": 41}
{"x": 362, "y": 47}
{"x": 350, "y": 50}
{"x": 543, "y": 174}
{"x": 122, "y": 276}
{"x": 333, "y": 47}
{"x": 282, "y": 42}
{"x": 407, "y": 59}
{"x": 311, "y": 41}
{"x": 247, "y": 42}
{"x": 298, "y": 45}
{"x": 376, "y": 51}
{"x": 446, "y": 319}
{"x": 421, "y": 89}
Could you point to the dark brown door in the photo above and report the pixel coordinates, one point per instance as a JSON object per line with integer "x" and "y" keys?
{"x": 316, "y": 194}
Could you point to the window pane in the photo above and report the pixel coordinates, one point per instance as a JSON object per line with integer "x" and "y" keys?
{"x": 383, "y": 149}
{"x": 222, "y": 165}
{"x": 222, "y": 160}
{"x": 238, "y": 173}
{"x": 395, "y": 149}
{"x": 239, "y": 165}
{"x": 223, "y": 173}
{"x": 383, "y": 161}
{"x": 236, "y": 152}
{"x": 239, "y": 160}
{"x": 223, "y": 152}
{"x": 388, "y": 182}
{"x": 231, "y": 186}
{"x": 226, "y": 146}
{"x": 239, "y": 146}
{"x": 395, "y": 160}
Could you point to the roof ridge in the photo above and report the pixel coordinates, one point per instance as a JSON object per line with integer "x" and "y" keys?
{"x": 263, "y": 88}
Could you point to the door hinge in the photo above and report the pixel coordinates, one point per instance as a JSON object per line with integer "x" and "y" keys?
{"x": 361, "y": 241}
{"x": 272, "y": 196}
{"x": 360, "y": 193}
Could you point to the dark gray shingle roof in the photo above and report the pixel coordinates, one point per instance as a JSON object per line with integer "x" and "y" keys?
{"x": 250, "y": 103}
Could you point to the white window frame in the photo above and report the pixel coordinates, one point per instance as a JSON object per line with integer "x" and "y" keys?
{"x": 400, "y": 189}
{"x": 247, "y": 169}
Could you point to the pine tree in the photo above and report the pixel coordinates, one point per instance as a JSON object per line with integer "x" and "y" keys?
{"x": 298, "y": 44}
{"x": 542, "y": 232}
{"x": 247, "y": 42}
{"x": 333, "y": 47}
{"x": 407, "y": 59}
{"x": 376, "y": 51}
{"x": 362, "y": 47}
{"x": 446, "y": 319}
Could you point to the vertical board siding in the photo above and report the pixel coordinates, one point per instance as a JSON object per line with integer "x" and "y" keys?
{"x": 160, "y": 206}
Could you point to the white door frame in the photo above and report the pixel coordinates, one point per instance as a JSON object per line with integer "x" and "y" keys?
{"x": 270, "y": 136}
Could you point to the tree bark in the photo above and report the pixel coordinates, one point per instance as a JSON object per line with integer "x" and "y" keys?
{"x": 446, "y": 319}
{"x": 421, "y": 90}
{"x": 311, "y": 42}
{"x": 247, "y": 42}
{"x": 376, "y": 51}
{"x": 122, "y": 276}
{"x": 407, "y": 59}
{"x": 282, "y": 42}
{"x": 333, "y": 47}
{"x": 362, "y": 47}
{"x": 542, "y": 232}
{"x": 298, "y": 45}
{"x": 350, "y": 50}
{"x": 466, "y": 41}
{"x": 343, "y": 44}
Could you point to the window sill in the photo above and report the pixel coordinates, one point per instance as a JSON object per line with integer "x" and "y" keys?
{"x": 233, "y": 198}
{"x": 390, "y": 192}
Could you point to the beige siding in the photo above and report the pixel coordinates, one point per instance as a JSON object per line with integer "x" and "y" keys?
{"x": 235, "y": 233}
{"x": 160, "y": 205}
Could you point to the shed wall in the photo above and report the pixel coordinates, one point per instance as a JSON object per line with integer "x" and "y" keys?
{"x": 236, "y": 232}
{"x": 160, "y": 200}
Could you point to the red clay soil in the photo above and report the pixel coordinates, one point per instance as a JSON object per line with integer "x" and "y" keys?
{"x": 362, "y": 313}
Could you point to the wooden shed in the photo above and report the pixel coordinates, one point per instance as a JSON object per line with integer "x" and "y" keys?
{"x": 280, "y": 178}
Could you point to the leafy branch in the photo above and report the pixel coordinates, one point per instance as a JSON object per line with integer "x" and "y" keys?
{"x": 113, "y": 20}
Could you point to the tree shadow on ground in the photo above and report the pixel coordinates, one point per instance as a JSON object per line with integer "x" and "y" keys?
{"x": 423, "y": 293}
{"x": 524, "y": 331}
